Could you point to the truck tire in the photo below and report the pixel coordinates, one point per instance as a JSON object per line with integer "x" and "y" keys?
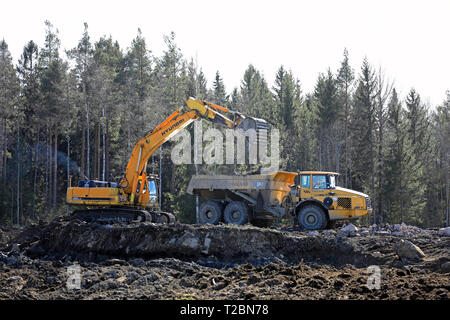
{"x": 311, "y": 217}
{"x": 210, "y": 212}
{"x": 236, "y": 212}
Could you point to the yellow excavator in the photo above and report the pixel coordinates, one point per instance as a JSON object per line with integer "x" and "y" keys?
{"x": 135, "y": 198}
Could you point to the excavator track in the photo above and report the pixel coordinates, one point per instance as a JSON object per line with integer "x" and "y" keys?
{"x": 163, "y": 217}
{"x": 112, "y": 215}
{"x": 123, "y": 215}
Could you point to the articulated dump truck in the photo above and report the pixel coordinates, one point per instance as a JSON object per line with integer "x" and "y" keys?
{"x": 310, "y": 197}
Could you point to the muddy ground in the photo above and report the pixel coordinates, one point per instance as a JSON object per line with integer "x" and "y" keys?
{"x": 179, "y": 261}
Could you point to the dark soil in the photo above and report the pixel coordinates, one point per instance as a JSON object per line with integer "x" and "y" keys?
{"x": 179, "y": 261}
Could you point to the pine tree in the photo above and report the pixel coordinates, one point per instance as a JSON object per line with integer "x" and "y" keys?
{"x": 396, "y": 163}
{"x": 328, "y": 113}
{"x": 220, "y": 96}
{"x": 418, "y": 137}
{"x": 83, "y": 55}
{"x": 344, "y": 79}
{"x": 383, "y": 92}
{"x": 108, "y": 59}
{"x": 31, "y": 101}
{"x": 287, "y": 96}
{"x": 362, "y": 124}
{"x": 52, "y": 70}
{"x": 9, "y": 99}
{"x": 440, "y": 194}
{"x": 170, "y": 93}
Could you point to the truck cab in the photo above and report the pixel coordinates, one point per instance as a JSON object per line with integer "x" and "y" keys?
{"x": 319, "y": 201}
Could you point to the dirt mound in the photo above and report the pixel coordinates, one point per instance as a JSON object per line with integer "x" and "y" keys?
{"x": 149, "y": 261}
{"x": 222, "y": 245}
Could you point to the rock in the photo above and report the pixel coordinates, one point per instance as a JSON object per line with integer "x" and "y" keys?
{"x": 3, "y": 257}
{"x": 190, "y": 242}
{"x": 11, "y": 260}
{"x": 338, "y": 284}
{"x": 382, "y": 233}
{"x": 377, "y": 254}
{"x": 313, "y": 234}
{"x": 329, "y": 233}
{"x": 15, "y": 248}
{"x": 112, "y": 274}
{"x": 350, "y": 228}
{"x": 112, "y": 262}
{"x": 16, "y": 282}
{"x": 445, "y": 267}
{"x": 35, "y": 250}
{"x": 364, "y": 233}
{"x": 206, "y": 245}
{"x": 444, "y": 231}
{"x": 139, "y": 262}
{"x": 408, "y": 250}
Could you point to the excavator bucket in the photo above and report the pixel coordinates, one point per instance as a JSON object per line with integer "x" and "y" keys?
{"x": 261, "y": 127}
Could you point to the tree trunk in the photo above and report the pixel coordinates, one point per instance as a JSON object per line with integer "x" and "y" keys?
{"x": 55, "y": 169}
{"x": 2, "y": 190}
{"x": 18, "y": 170}
{"x": 104, "y": 144}
{"x": 1, "y": 148}
{"x": 107, "y": 147}
{"x": 49, "y": 169}
{"x": 88, "y": 155}
{"x": 36, "y": 161}
{"x": 68, "y": 166}
{"x": 5, "y": 149}
{"x": 98, "y": 152}
{"x": 160, "y": 178}
{"x": 95, "y": 170}
{"x": 83, "y": 153}
{"x": 380, "y": 174}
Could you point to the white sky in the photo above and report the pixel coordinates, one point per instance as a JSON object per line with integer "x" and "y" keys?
{"x": 409, "y": 40}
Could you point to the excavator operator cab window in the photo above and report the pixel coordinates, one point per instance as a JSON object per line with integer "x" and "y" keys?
{"x": 152, "y": 191}
{"x": 144, "y": 190}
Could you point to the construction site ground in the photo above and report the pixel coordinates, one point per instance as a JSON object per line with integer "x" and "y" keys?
{"x": 181, "y": 261}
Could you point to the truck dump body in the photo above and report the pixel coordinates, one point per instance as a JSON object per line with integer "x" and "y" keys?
{"x": 313, "y": 199}
{"x": 273, "y": 187}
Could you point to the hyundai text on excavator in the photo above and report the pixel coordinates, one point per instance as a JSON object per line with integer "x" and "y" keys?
{"x": 135, "y": 196}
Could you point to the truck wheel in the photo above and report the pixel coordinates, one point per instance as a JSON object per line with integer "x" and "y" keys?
{"x": 210, "y": 212}
{"x": 312, "y": 218}
{"x": 236, "y": 212}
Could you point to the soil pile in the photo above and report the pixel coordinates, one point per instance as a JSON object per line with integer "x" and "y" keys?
{"x": 150, "y": 261}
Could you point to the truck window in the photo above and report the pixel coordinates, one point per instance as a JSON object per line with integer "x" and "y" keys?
{"x": 319, "y": 182}
{"x": 152, "y": 190}
{"x": 332, "y": 183}
{"x": 305, "y": 181}
{"x": 323, "y": 181}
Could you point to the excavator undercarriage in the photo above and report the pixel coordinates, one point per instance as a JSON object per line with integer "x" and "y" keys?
{"x": 113, "y": 215}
